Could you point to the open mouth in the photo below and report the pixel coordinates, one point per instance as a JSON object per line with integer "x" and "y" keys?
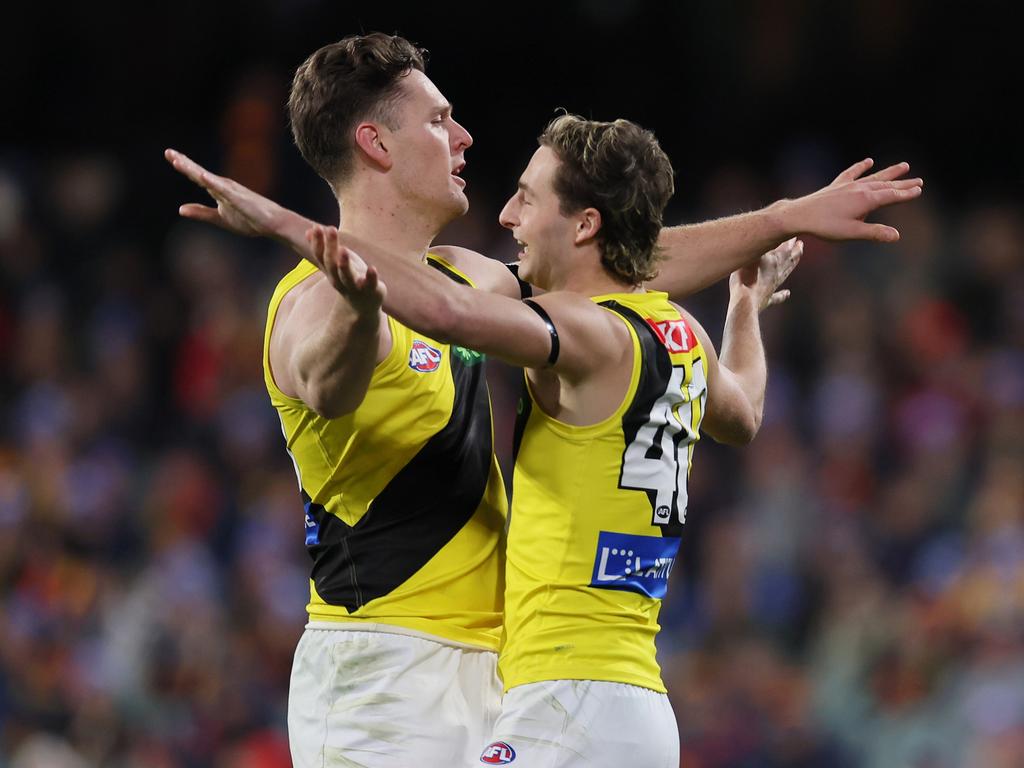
{"x": 456, "y": 174}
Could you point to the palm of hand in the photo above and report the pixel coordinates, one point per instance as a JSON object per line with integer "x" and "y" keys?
{"x": 764, "y": 276}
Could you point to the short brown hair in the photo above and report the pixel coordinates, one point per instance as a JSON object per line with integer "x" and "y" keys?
{"x": 341, "y": 84}
{"x": 619, "y": 169}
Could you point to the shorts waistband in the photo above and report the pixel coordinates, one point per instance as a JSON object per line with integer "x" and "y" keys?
{"x": 390, "y": 629}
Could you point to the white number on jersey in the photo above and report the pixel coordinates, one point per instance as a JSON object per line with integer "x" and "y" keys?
{"x": 666, "y": 475}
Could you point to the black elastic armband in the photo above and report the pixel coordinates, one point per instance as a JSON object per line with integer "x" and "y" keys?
{"x": 553, "y": 357}
{"x": 525, "y": 289}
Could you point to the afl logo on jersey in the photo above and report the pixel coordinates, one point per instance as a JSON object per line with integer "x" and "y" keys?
{"x": 423, "y": 357}
{"x": 498, "y": 753}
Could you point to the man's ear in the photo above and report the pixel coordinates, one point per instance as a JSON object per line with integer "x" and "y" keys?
{"x": 370, "y": 140}
{"x": 588, "y": 224}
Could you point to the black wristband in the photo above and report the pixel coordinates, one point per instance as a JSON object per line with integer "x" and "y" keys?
{"x": 553, "y": 357}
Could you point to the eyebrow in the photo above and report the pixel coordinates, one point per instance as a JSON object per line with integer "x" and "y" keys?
{"x": 525, "y": 187}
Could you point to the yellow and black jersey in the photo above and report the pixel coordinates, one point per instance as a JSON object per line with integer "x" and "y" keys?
{"x": 598, "y": 511}
{"x": 405, "y": 506}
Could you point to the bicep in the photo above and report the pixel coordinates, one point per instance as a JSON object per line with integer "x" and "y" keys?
{"x": 319, "y": 338}
{"x": 521, "y": 335}
{"x": 486, "y": 273}
{"x": 728, "y": 415}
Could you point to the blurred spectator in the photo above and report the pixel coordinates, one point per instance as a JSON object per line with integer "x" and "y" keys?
{"x": 853, "y": 587}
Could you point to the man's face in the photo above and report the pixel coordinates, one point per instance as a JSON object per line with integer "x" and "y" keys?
{"x": 428, "y": 149}
{"x": 533, "y": 214}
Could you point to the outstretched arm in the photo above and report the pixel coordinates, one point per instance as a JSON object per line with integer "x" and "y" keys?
{"x": 423, "y": 299}
{"x": 701, "y": 254}
{"x": 737, "y": 380}
{"x": 244, "y": 212}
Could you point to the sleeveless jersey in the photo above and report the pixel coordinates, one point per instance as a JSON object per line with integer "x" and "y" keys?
{"x": 597, "y": 513}
{"x": 405, "y": 506}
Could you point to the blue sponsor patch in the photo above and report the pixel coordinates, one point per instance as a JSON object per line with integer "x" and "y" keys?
{"x": 634, "y": 563}
{"x": 312, "y": 528}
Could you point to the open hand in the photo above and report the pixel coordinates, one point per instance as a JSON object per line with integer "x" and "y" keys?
{"x": 238, "y": 209}
{"x": 349, "y": 274}
{"x": 837, "y": 212}
{"x": 763, "y": 277}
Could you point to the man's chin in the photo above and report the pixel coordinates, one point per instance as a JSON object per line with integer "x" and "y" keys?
{"x": 457, "y": 206}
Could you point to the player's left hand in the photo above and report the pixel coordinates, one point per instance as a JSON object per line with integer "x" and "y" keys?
{"x": 763, "y": 277}
{"x": 837, "y": 212}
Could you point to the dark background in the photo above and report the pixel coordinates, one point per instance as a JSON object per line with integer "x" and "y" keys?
{"x": 719, "y": 82}
{"x": 852, "y": 587}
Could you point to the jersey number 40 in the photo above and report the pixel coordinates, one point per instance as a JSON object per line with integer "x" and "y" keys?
{"x": 651, "y": 461}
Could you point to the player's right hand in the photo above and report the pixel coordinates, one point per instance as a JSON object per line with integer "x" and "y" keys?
{"x": 238, "y": 210}
{"x": 349, "y": 274}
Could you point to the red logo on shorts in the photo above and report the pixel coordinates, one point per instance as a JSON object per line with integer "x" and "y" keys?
{"x": 498, "y": 753}
{"x": 423, "y": 357}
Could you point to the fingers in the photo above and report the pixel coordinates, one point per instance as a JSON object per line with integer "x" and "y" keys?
{"x": 354, "y": 271}
{"x": 777, "y": 298}
{"x": 217, "y": 186}
{"x": 896, "y": 184}
{"x": 340, "y": 259}
{"x": 346, "y": 270}
{"x": 789, "y": 263}
{"x": 891, "y": 173}
{"x": 880, "y": 233}
{"x": 186, "y": 166}
{"x": 883, "y": 197}
{"x": 370, "y": 281}
{"x": 199, "y": 212}
{"x": 315, "y": 238}
{"x": 855, "y": 170}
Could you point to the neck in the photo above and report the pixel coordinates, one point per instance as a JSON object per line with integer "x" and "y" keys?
{"x": 592, "y": 280}
{"x": 379, "y": 218}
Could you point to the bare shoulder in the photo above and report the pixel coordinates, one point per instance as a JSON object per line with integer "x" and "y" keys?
{"x": 311, "y": 297}
{"x": 291, "y": 323}
{"x": 486, "y": 273}
{"x": 594, "y": 331}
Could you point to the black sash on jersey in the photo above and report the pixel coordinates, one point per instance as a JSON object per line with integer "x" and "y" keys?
{"x": 655, "y": 372}
{"x": 426, "y": 503}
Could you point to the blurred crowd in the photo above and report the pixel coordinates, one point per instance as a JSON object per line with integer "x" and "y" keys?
{"x": 852, "y": 591}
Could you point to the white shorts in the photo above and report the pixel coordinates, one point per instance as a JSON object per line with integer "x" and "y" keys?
{"x": 383, "y": 700}
{"x": 584, "y": 724}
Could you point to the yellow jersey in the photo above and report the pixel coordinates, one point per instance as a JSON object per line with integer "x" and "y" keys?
{"x": 597, "y": 513}
{"x": 404, "y": 502}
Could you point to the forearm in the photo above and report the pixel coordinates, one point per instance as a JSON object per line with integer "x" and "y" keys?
{"x": 289, "y": 229}
{"x": 417, "y": 295}
{"x": 698, "y": 255}
{"x": 426, "y": 301}
{"x": 333, "y": 365}
{"x": 743, "y": 350}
